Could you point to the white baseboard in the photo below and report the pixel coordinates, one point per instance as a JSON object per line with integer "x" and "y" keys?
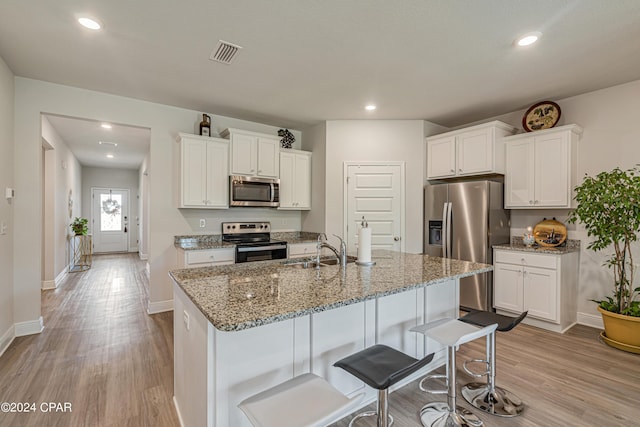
{"x": 175, "y": 404}
{"x": 48, "y": 284}
{"x": 160, "y": 306}
{"x": 593, "y": 320}
{"x": 133, "y": 249}
{"x": 29, "y": 327}
{"x": 6, "y": 339}
{"x": 143, "y": 257}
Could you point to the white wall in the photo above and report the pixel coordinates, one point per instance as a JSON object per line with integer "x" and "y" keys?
{"x": 65, "y": 172}
{"x": 34, "y": 97}
{"x": 6, "y": 207}
{"x": 611, "y": 138}
{"x": 376, "y": 140}
{"x": 315, "y": 140}
{"x": 143, "y": 208}
{"x": 122, "y": 179}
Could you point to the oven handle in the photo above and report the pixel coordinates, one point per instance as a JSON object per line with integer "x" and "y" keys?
{"x": 261, "y": 248}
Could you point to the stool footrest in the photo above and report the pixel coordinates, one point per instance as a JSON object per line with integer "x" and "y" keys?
{"x": 434, "y": 377}
{"x": 369, "y": 414}
{"x": 476, "y": 374}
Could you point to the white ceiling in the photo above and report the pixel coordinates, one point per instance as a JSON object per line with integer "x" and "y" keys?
{"x": 451, "y": 62}
{"x": 91, "y": 143}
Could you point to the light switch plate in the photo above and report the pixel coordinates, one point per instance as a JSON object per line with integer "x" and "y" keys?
{"x": 3, "y": 227}
{"x": 203, "y": 223}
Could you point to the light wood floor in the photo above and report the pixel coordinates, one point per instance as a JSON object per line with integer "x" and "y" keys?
{"x": 101, "y": 352}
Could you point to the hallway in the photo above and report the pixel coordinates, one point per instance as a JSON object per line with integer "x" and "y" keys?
{"x": 99, "y": 351}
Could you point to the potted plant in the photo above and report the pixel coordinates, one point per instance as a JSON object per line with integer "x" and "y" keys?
{"x": 79, "y": 226}
{"x": 608, "y": 205}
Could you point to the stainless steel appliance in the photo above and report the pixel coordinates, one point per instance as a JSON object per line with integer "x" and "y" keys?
{"x": 463, "y": 220}
{"x": 254, "y": 191}
{"x": 253, "y": 241}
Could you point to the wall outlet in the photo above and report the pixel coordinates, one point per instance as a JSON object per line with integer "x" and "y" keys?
{"x": 3, "y": 227}
{"x": 185, "y": 318}
{"x": 203, "y": 223}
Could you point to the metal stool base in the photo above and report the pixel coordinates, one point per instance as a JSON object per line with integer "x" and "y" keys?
{"x": 498, "y": 402}
{"x": 370, "y": 414}
{"x": 437, "y": 414}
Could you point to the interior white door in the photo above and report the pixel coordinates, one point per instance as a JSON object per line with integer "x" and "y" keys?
{"x": 375, "y": 191}
{"x": 110, "y": 220}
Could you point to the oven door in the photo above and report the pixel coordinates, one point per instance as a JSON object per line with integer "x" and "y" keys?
{"x": 254, "y": 191}
{"x": 248, "y": 253}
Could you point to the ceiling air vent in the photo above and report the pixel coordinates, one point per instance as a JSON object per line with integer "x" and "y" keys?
{"x": 225, "y": 52}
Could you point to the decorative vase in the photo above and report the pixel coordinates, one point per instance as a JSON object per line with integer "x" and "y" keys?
{"x": 620, "y": 331}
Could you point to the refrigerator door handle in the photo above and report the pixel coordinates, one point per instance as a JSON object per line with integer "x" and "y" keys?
{"x": 448, "y": 232}
{"x": 444, "y": 229}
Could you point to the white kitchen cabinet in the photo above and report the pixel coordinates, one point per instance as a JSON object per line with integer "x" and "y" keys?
{"x": 475, "y": 150}
{"x": 206, "y": 257}
{"x": 295, "y": 180}
{"x": 541, "y": 168}
{"x": 302, "y": 250}
{"x": 543, "y": 284}
{"x": 253, "y": 154}
{"x": 203, "y": 172}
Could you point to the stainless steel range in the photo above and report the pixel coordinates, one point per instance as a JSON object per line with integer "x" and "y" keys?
{"x": 253, "y": 241}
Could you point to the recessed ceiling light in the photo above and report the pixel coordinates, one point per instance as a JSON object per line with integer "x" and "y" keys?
{"x": 109, "y": 156}
{"x": 529, "y": 38}
{"x": 106, "y": 126}
{"x": 89, "y": 23}
{"x": 370, "y": 107}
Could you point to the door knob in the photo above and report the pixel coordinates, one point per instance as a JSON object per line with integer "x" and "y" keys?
{"x": 397, "y": 239}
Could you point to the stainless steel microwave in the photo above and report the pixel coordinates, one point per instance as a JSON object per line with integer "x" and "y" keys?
{"x": 254, "y": 191}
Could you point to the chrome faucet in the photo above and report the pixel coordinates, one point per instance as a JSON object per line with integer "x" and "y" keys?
{"x": 341, "y": 255}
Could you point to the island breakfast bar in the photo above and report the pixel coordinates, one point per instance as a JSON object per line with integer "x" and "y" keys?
{"x": 239, "y": 329}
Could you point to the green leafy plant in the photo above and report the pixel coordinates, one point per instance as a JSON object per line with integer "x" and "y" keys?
{"x": 79, "y": 226}
{"x": 608, "y": 205}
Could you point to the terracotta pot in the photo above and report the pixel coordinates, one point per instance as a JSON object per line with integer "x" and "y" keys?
{"x": 621, "y": 331}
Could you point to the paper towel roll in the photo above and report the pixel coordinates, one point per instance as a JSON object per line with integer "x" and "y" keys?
{"x": 364, "y": 244}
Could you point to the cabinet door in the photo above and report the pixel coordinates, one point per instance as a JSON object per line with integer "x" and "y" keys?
{"x": 244, "y": 158}
{"x": 507, "y": 287}
{"x": 193, "y": 171}
{"x": 552, "y": 171}
{"x": 302, "y": 181}
{"x": 519, "y": 174}
{"x": 217, "y": 174}
{"x": 268, "y": 157}
{"x": 475, "y": 152}
{"x": 287, "y": 180}
{"x": 441, "y": 157}
{"x": 540, "y": 293}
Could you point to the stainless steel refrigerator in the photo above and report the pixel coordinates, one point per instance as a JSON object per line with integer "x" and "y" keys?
{"x": 463, "y": 220}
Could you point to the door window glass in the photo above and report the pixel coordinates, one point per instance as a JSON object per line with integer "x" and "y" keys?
{"x": 111, "y": 212}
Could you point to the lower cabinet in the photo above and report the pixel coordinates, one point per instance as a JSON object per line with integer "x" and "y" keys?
{"x": 302, "y": 250}
{"x": 206, "y": 257}
{"x": 545, "y": 285}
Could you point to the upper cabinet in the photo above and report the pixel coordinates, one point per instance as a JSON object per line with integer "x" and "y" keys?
{"x": 541, "y": 168}
{"x": 476, "y": 150}
{"x": 203, "y": 172}
{"x": 253, "y": 154}
{"x": 295, "y": 180}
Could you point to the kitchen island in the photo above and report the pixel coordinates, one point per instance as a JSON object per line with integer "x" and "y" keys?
{"x": 241, "y": 328}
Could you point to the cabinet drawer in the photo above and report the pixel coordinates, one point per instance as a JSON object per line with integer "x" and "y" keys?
{"x": 526, "y": 259}
{"x": 209, "y": 256}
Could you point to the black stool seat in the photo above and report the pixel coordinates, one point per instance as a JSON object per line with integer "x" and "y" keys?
{"x": 486, "y": 318}
{"x": 380, "y": 366}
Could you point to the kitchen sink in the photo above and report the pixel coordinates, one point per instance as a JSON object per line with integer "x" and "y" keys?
{"x": 311, "y": 263}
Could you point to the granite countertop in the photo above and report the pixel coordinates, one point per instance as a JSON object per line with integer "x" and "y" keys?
{"x": 517, "y": 245}
{"x": 214, "y": 241}
{"x": 242, "y": 296}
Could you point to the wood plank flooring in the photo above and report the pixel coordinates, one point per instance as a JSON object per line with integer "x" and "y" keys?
{"x": 101, "y": 352}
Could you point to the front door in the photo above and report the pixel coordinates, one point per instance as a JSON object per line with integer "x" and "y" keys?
{"x": 110, "y": 221}
{"x": 375, "y": 191}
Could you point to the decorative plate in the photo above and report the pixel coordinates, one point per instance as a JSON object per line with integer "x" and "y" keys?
{"x": 543, "y": 115}
{"x": 550, "y": 232}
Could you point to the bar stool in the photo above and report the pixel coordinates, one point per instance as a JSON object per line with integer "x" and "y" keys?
{"x": 487, "y": 396}
{"x": 380, "y": 367}
{"x": 303, "y": 401}
{"x": 452, "y": 333}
